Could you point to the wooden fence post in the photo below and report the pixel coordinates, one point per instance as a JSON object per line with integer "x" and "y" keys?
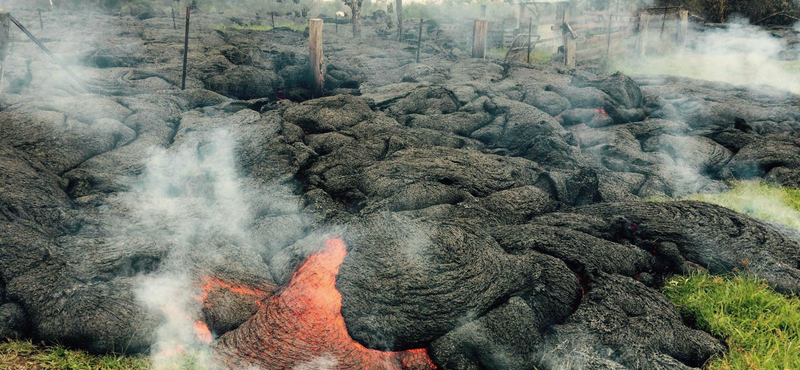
{"x": 399, "y": 11}
{"x": 608, "y": 42}
{"x": 419, "y": 39}
{"x": 41, "y": 22}
{"x": 569, "y": 41}
{"x": 174, "y": 24}
{"x": 336, "y": 19}
{"x": 479, "y": 33}
{"x": 186, "y": 48}
{"x": 683, "y": 27}
{"x": 644, "y": 25}
{"x": 316, "y": 59}
{"x": 5, "y": 31}
{"x": 530, "y": 25}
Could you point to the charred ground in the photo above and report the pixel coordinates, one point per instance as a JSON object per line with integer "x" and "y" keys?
{"x": 493, "y": 214}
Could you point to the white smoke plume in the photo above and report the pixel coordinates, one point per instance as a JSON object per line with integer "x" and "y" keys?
{"x": 740, "y": 54}
{"x": 187, "y": 196}
{"x": 326, "y": 362}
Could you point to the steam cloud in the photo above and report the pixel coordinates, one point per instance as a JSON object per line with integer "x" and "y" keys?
{"x": 192, "y": 202}
{"x": 187, "y": 195}
{"x": 741, "y": 54}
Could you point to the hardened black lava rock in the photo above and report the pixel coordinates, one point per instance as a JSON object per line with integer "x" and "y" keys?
{"x": 500, "y": 216}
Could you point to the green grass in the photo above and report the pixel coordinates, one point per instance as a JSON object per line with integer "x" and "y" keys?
{"x": 537, "y": 56}
{"x": 24, "y": 355}
{"x": 759, "y": 200}
{"x": 761, "y": 326}
{"x": 262, "y": 27}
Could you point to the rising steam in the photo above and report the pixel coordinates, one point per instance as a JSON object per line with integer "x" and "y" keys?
{"x": 740, "y": 54}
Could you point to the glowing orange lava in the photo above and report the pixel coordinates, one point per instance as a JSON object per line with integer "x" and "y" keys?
{"x": 211, "y": 284}
{"x": 177, "y": 350}
{"x": 202, "y": 332}
{"x": 303, "y": 321}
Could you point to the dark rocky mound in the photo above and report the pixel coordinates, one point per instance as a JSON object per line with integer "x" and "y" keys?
{"x": 492, "y": 214}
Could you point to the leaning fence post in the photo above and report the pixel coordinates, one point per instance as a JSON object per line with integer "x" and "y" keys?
{"x": 46, "y": 51}
{"x": 419, "y": 39}
{"x": 41, "y": 22}
{"x": 5, "y": 31}
{"x": 479, "y": 32}
{"x": 569, "y": 40}
{"x": 644, "y": 25}
{"x": 185, "y": 48}
{"x": 316, "y": 59}
{"x": 683, "y": 27}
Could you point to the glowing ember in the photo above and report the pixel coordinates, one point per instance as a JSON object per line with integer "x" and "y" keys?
{"x": 602, "y": 110}
{"x": 202, "y": 332}
{"x": 174, "y": 351}
{"x": 304, "y": 321}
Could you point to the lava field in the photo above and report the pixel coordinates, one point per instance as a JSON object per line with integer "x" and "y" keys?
{"x": 454, "y": 213}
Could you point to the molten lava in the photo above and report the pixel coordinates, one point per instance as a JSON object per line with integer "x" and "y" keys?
{"x": 303, "y": 322}
{"x": 211, "y": 284}
{"x": 202, "y": 332}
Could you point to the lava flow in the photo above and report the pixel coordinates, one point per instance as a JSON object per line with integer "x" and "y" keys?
{"x": 303, "y": 322}
{"x": 202, "y": 331}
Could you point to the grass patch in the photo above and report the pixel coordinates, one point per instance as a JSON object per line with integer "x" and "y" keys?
{"x": 759, "y": 200}
{"x": 761, "y": 326}
{"x": 537, "y": 56}
{"x": 262, "y": 26}
{"x": 24, "y": 355}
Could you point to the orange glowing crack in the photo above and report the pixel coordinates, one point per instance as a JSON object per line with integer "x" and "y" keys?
{"x": 303, "y": 322}
{"x": 202, "y": 332}
{"x": 212, "y": 284}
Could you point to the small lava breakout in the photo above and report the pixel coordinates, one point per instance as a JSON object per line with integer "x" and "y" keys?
{"x": 303, "y": 321}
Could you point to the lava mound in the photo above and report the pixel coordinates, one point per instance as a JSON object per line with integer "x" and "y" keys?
{"x": 302, "y": 324}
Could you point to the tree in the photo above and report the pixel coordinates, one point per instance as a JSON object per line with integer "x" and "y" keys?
{"x": 355, "y": 11}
